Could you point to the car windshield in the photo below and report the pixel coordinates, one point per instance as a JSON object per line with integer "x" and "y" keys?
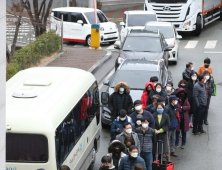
{"x": 167, "y": 31}
{"x": 100, "y": 17}
{"x": 136, "y": 79}
{"x": 168, "y": 1}
{"x": 26, "y": 148}
{"x": 140, "y": 19}
{"x": 142, "y": 44}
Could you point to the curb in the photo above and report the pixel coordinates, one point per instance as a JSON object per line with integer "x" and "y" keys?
{"x": 58, "y": 55}
{"x": 101, "y": 61}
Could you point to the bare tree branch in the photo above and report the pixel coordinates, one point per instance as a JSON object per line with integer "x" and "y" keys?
{"x": 40, "y": 9}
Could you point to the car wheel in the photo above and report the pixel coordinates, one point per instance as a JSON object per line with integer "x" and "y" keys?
{"x": 88, "y": 40}
{"x": 104, "y": 126}
{"x": 198, "y": 27}
{"x": 112, "y": 42}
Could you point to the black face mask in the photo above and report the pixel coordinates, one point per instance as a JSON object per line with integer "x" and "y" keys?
{"x": 105, "y": 167}
{"x": 206, "y": 66}
{"x": 117, "y": 151}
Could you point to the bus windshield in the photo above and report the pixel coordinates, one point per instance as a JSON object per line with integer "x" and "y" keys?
{"x": 26, "y": 148}
{"x": 168, "y": 1}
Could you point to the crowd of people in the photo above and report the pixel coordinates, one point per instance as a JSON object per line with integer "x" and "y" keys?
{"x": 162, "y": 114}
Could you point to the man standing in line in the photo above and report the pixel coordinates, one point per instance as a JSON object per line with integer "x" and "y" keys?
{"x": 187, "y": 71}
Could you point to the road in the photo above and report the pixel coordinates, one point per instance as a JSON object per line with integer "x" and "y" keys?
{"x": 202, "y": 152}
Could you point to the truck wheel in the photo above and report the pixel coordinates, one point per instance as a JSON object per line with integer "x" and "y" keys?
{"x": 198, "y": 27}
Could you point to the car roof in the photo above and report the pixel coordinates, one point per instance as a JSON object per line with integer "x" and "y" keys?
{"x": 74, "y": 9}
{"x": 143, "y": 32}
{"x": 140, "y": 65}
{"x": 139, "y": 12}
{"x": 156, "y": 23}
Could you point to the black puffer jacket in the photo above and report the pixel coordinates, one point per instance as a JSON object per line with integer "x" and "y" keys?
{"x": 199, "y": 94}
{"x": 186, "y": 75}
{"x": 147, "y": 139}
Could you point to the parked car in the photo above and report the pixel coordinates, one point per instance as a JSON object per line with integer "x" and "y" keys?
{"x": 170, "y": 34}
{"x": 135, "y": 20}
{"x": 77, "y": 25}
{"x": 140, "y": 44}
{"x": 136, "y": 73}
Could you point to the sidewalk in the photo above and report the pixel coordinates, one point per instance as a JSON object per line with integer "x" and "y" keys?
{"x": 84, "y": 59}
{"x": 118, "y": 14}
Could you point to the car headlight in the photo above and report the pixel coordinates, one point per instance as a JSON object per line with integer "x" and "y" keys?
{"x": 107, "y": 115}
{"x": 101, "y": 29}
{"x": 120, "y": 60}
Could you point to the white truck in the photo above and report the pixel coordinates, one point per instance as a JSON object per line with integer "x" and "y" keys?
{"x": 186, "y": 15}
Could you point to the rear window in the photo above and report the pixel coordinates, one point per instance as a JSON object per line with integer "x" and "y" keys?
{"x": 140, "y": 19}
{"x": 26, "y": 148}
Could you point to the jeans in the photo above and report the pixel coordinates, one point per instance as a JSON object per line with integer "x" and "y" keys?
{"x": 148, "y": 158}
{"x": 172, "y": 139}
{"x": 184, "y": 137}
{"x": 198, "y": 119}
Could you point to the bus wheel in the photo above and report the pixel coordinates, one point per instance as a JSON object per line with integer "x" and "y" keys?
{"x": 198, "y": 27}
{"x": 93, "y": 159}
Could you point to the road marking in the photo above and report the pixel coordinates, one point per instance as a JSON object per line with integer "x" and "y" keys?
{"x": 213, "y": 52}
{"x": 191, "y": 44}
{"x": 211, "y": 44}
{"x": 107, "y": 77}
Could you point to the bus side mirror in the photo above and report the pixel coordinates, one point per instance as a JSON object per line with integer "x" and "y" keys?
{"x": 105, "y": 98}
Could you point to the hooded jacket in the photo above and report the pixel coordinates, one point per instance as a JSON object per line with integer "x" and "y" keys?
{"x": 113, "y": 99}
{"x": 184, "y": 111}
{"x": 145, "y": 94}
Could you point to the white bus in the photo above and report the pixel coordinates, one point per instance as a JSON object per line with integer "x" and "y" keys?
{"x": 52, "y": 118}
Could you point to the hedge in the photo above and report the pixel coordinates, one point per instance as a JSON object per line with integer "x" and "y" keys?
{"x": 31, "y": 54}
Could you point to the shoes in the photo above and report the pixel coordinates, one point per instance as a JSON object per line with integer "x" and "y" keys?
{"x": 176, "y": 147}
{"x": 206, "y": 122}
{"x": 183, "y": 147}
{"x": 173, "y": 154}
{"x": 202, "y": 131}
{"x": 195, "y": 133}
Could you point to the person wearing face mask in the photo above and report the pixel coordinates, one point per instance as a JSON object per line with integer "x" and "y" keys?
{"x": 138, "y": 122}
{"x": 209, "y": 86}
{"x": 117, "y": 125}
{"x": 205, "y": 67}
{"x": 116, "y": 151}
{"x": 128, "y": 133}
{"x": 106, "y": 162}
{"x": 183, "y": 108}
{"x": 174, "y": 121}
{"x": 187, "y": 71}
{"x": 129, "y": 162}
{"x": 159, "y": 100}
{"x": 158, "y": 90}
{"x": 120, "y": 99}
{"x": 191, "y": 82}
{"x": 141, "y": 111}
{"x": 200, "y": 103}
{"x": 147, "y": 137}
{"x": 183, "y": 84}
{"x": 169, "y": 90}
{"x": 128, "y": 142}
{"x": 148, "y": 88}
{"x": 162, "y": 125}
{"x": 154, "y": 100}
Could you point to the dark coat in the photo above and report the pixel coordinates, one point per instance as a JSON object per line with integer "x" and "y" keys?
{"x": 127, "y": 164}
{"x": 186, "y": 75}
{"x": 165, "y": 125}
{"x": 199, "y": 94}
{"x": 153, "y": 92}
{"x": 113, "y": 101}
{"x": 190, "y": 87}
{"x": 210, "y": 88}
{"x": 184, "y": 111}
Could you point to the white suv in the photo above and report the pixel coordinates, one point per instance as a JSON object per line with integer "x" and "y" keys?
{"x": 170, "y": 34}
{"x": 77, "y": 25}
{"x": 135, "y": 20}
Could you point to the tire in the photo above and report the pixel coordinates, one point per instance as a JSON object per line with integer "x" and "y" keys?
{"x": 198, "y": 27}
{"x": 88, "y": 40}
{"x": 175, "y": 62}
{"x": 104, "y": 126}
{"x": 112, "y": 42}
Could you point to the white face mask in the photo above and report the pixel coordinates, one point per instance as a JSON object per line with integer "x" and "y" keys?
{"x": 168, "y": 88}
{"x": 158, "y": 90}
{"x": 128, "y": 130}
{"x": 144, "y": 125}
{"x": 207, "y": 77}
{"x": 68, "y": 122}
{"x": 138, "y": 122}
{"x": 138, "y": 107}
{"x": 121, "y": 89}
{"x": 175, "y": 102}
{"x": 123, "y": 119}
{"x": 194, "y": 78}
{"x": 134, "y": 155}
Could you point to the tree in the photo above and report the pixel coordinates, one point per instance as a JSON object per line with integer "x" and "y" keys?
{"x": 39, "y": 19}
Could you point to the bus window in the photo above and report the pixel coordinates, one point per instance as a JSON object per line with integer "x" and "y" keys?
{"x": 26, "y": 148}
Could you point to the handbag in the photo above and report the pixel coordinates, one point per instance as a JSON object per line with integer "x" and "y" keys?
{"x": 215, "y": 90}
